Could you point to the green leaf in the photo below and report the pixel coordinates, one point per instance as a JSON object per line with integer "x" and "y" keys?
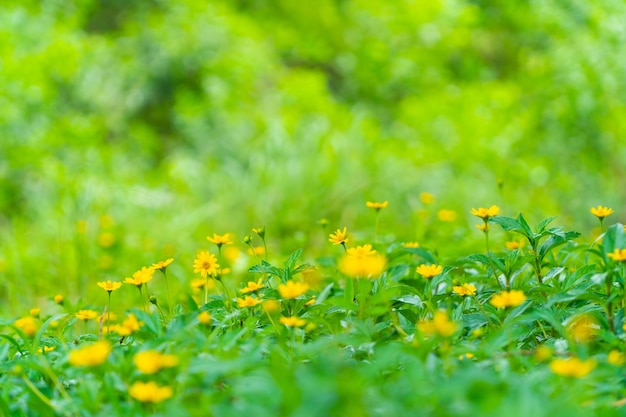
{"x": 293, "y": 258}
{"x": 422, "y": 253}
{"x": 544, "y": 223}
{"x": 510, "y": 225}
{"x": 522, "y": 221}
{"x": 614, "y": 238}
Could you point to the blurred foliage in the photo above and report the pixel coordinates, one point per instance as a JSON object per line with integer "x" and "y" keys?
{"x": 182, "y": 118}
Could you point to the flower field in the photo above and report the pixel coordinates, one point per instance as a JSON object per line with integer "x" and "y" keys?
{"x": 532, "y": 324}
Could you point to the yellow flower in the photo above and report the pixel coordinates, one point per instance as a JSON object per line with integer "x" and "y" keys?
{"x": 140, "y": 277}
{"x": 484, "y": 227}
{"x": 572, "y": 367}
{"x": 91, "y": 355}
{"x": 258, "y": 251}
{"x": 340, "y": 237}
{"x": 583, "y": 328}
{"x": 601, "y": 212}
{"x": 465, "y": 289}
{"x": 86, "y": 314}
{"x": 128, "y": 326}
{"x": 161, "y": 265}
{"x": 429, "y": 271}
{"x": 259, "y": 231}
{"x": 106, "y": 239}
{"x": 486, "y": 213}
{"x": 365, "y": 250}
{"x": 377, "y": 206}
{"x": 357, "y": 265}
{"x": 109, "y": 285}
{"x": 58, "y": 299}
{"x": 149, "y": 392}
{"x": 248, "y": 301}
{"x": 505, "y": 299}
{"x": 440, "y": 325}
{"x": 615, "y": 357}
{"x": 515, "y": 244}
{"x": 151, "y": 361}
{"x": 220, "y": 240}
{"x": 446, "y": 215}
{"x": 618, "y": 255}
{"x": 35, "y": 311}
{"x": 253, "y": 286}
{"x": 46, "y": 349}
{"x": 205, "y": 263}
{"x": 292, "y": 289}
{"x": 28, "y": 325}
{"x": 292, "y": 321}
{"x": 204, "y": 317}
{"x": 543, "y": 353}
{"x": 411, "y": 245}
{"x": 427, "y": 198}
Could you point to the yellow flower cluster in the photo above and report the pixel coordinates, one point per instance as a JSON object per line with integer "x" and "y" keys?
{"x": 128, "y": 326}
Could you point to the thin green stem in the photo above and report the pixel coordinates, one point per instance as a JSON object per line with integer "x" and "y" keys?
{"x": 167, "y": 289}
{"x": 493, "y": 267}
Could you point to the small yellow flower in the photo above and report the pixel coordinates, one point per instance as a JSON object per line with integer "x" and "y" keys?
{"x": 204, "y": 318}
{"x": 162, "y": 265}
{"x": 429, "y": 271}
{"x": 583, "y": 328}
{"x": 446, "y": 215}
{"x": 618, "y": 255}
{"x": 484, "y": 227}
{"x": 411, "y": 245}
{"x": 465, "y": 289}
{"x": 292, "y": 289}
{"x": 515, "y": 244}
{"x": 365, "y": 250}
{"x": 143, "y": 276}
{"x": 615, "y": 357}
{"x": 205, "y": 263}
{"x": 28, "y": 325}
{"x": 128, "y": 326}
{"x": 427, "y": 198}
{"x": 505, "y": 299}
{"x": 440, "y": 325}
{"x": 220, "y": 240}
{"x": 340, "y": 237}
{"x": 468, "y": 355}
{"x": 572, "y": 367}
{"x": 310, "y": 302}
{"x": 253, "y": 286}
{"x": 109, "y": 286}
{"x": 292, "y": 321}
{"x": 46, "y": 349}
{"x": 35, "y": 311}
{"x": 543, "y": 353}
{"x": 106, "y": 239}
{"x": 58, "y": 299}
{"x": 486, "y": 213}
{"x": 601, "y": 212}
{"x": 357, "y": 264}
{"x": 149, "y": 392}
{"x": 86, "y": 314}
{"x": 90, "y": 355}
{"x": 151, "y": 361}
{"x": 377, "y": 206}
{"x": 259, "y": 231}
{"x": 248, "y": 301}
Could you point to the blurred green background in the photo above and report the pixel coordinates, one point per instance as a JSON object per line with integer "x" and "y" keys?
{"x": 131, "y": 130}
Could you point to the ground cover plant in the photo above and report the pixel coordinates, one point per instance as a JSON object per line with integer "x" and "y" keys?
{"x": 531, "y": 324}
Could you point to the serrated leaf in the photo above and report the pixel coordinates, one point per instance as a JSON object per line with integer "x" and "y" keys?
{"x": 293, "y": 258}
{"x": 509, "y": 224}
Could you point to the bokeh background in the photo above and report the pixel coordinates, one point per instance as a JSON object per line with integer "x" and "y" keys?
{"x": 131, "y": 130}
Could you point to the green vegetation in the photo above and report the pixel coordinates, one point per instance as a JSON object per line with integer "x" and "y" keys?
{"x": 131, "y": 131}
